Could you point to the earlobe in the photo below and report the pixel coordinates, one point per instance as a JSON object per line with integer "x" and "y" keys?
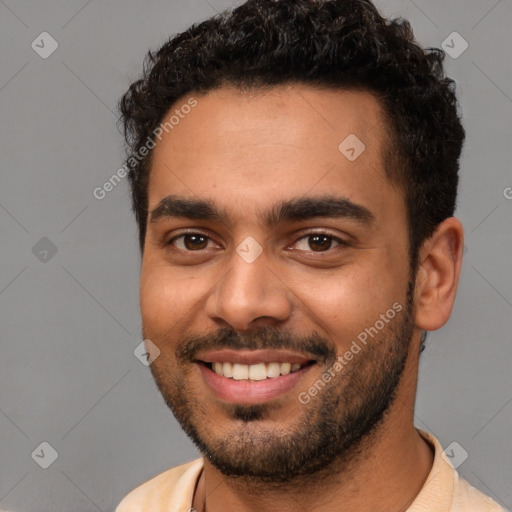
{"x": 440, "y": 262}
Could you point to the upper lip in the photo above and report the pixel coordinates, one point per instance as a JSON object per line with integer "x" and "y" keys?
{"x": 251, "y": 356}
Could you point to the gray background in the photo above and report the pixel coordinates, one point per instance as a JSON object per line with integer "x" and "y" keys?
{"x": 70, "y": 320}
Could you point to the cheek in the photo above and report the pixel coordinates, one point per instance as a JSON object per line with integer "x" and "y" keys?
{"x": 166, "y": 299}
{"x": 348, "y": 301}
{"x": 157, "y": 298}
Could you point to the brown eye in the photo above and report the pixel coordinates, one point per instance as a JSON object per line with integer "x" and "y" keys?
{"x": 190, "y": 242}
{"x": 195, "y": 242}
{"x": 318, "y": 242}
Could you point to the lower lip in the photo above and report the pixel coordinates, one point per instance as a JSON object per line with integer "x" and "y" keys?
{"x": 251, "y": 391}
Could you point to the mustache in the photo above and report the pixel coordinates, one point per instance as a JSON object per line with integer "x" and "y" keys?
{"x": 314, "y": 345}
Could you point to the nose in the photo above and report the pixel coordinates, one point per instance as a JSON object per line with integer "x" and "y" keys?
{"x": 249, "y": 295}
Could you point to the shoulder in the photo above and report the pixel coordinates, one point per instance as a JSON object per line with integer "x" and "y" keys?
{"x": 446, "y": 490}
{"x": 172, "y": 487}
{"x": 467, "y": 498}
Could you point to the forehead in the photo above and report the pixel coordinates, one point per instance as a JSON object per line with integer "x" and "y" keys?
{"x": 243, "y": 148}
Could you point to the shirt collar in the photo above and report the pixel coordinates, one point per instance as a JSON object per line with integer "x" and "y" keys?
{"x": 437, "y": 491}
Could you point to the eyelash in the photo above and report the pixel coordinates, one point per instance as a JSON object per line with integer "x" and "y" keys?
{"x": 340, "y": 241}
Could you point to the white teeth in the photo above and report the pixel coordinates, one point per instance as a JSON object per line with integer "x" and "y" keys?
{"x": 227, "y": 370}
{"x": 240, "y": 371}
{"x": 217, "y": 368}
{"x": 273, "y": 370}
{"x": 259, "y": 371}
{"x": 285, "y": 368}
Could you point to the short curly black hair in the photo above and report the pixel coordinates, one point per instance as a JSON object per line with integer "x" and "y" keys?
{"x": 336, "y": 44}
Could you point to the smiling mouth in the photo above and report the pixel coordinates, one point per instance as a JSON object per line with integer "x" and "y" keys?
{"x": 254, "y": 372}
{"x": 252, "y": 376}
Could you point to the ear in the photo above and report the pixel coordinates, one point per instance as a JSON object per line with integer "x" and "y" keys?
{"x": 440, "y": 262}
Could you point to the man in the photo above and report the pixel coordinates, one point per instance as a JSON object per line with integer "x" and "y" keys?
{"x": 293, "y": 167}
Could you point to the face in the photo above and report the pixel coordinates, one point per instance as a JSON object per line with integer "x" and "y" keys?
{"x": 275, "y": 278}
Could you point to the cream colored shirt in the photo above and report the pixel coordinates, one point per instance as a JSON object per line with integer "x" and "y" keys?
{"x": 443, "y": 491}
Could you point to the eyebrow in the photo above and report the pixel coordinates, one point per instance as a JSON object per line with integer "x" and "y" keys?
{"x": 292, "y": 210}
